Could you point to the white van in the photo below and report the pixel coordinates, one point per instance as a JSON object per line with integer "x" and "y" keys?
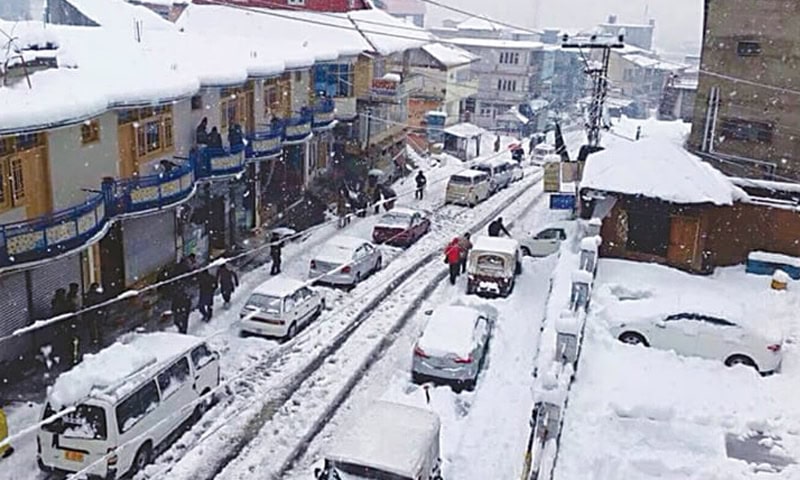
{"x": 499, "y": 172}
{"x": 540, "y": 152}
{"x": 279, "y": 307}
{"x": 389, "y": 441}
{"x": 469, "y": 187}
{"x": 128, "y": 399}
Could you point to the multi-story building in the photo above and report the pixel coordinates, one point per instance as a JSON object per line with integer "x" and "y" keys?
{"x": 103, "y": 178}
{"x": 635, "y": 34}
{"x": 745, "y": 119}
{"x": 677, "y": 99}
{"x": 412, "y": 11}
{"x": 311, "y": 5}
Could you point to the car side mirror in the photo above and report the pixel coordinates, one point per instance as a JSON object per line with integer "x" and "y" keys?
{"x": 661, "y": 324}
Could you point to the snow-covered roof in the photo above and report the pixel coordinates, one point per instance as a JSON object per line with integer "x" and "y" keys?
{"x": 477, "y": 23}
{"x": 495, "y": 244}
{"x": 117, "y": 366}
{"x": 449, "y": 55}
{"x": 641, "y": 60}
{"x": 659, "y": 168}
{"x": 405, "y": 7}
{"x": 386, "y": 33}
{"x": 346, "y": 241}
{"x": 469, "y": 174}
{"x": 391, "y": 437}
{"x": 496, "y": 43}
{"x": 465, "y": 130}
{"x": 449, "y": 331}
{"x": 279, "y": 286}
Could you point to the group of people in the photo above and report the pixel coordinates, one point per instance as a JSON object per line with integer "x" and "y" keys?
{"x": 455, "y": 256}
{"x": 207, "y": 283}
{"x": 213, "y": 139}
{"x": 68, "y": 300}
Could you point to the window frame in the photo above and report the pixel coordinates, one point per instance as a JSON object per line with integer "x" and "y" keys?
{"x": 748, "y": 48}
{"x": 90, "y": 132}
{"x": 141, "y": 412}
{"x": 180, "y": 365}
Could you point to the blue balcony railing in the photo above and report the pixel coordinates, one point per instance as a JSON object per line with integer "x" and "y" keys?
{"x": 323, "y": 114}
{"x": 143, "y": 193}
{"x": 298, "y": 127}
{"x": 265, "y": 143}
{"x": 219, "y": 161}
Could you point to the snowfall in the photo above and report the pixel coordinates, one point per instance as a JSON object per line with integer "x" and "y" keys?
{"x": 633, "y": 413}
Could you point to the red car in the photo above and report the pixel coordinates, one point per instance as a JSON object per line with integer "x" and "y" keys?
{"x": 401, "y": 227}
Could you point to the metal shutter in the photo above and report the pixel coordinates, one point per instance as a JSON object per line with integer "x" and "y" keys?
{"x": 51, "y": 276}
{"x": 13, "y": 302}
{"x": 149, "y": 244}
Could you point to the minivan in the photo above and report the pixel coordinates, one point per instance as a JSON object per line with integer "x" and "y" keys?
{"x": 499, "y": 172}
{"x": 123, "y": 410}
{"x": 469, "y": 187}
{"x": 279, "y": 307}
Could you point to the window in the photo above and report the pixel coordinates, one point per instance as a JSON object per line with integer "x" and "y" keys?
{"x": 334, "y": 79}
{"x": 197, "y": 102}
{"x": 86, "y": 422}
{"x": 17, "y": 181}
{"x": 171, "y": 379}
{"x": 748, "y": 48}
{"x": 272, "y": 102}
{"x": 90, "y": 132}
{"x": 202, "y": 356}
{"x": 296, "y": 2}
{"x": 746, "y": 130}
{"x": 4, "y": 199}
{"x": 134, "y": 408}
{"x": 298, "y": 76}
{"x": 509, "y": 58}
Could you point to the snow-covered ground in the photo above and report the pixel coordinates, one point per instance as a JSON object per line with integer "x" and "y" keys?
{"x": 484, "y": 432}
{"x": 644, "y": 413}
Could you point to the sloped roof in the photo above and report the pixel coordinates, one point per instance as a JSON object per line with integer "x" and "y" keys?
{"x": 449, "y": 55}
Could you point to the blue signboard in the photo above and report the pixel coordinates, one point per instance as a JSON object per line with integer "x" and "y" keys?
{"x": 562, "y": 201}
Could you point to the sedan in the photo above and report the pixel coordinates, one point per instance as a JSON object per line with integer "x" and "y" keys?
{"x": 345, "y": 261}
{"x": 452, "y": 347}
{"x": 401, "y": 227}
{"x": 706, "y": 336}
{"x": 544, "y": 243}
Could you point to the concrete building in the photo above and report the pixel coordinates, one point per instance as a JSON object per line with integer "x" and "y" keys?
{"x": 678, "y": 97}
{"x": 635, "y": 34}
{"x": 412, "y": 11}
{"x": 745, "y": 119}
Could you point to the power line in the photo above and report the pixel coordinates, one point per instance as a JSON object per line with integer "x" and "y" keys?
{"x": 750, "y": 82}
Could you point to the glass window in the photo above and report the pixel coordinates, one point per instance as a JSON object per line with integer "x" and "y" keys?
{"x": 265, "y": 303}
{"x": 86, "y": 422}
{"x": 549, "y": 234}
{"x": 171, "y": 379}
{"x": 134, "y": 408}
{"x": 748, "y": 48}
{"x": 491, "y": 262}
{"x": 90, "y": 132}
{"x": 17, "y": 181}
{"x": 202, "y": 356}
{"x": 152, "y": 136}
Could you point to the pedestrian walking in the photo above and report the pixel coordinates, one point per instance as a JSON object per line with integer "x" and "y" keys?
{"x": 275, "y": 254}
{"x": 96, "y": 316}
{"x": 341, "y": 210}
{"x": 497, "y": 227}
{"x": 464, "y": 245}
{"x": 59, "y": 305}
{"x": 452, "y": 257}
{"x": 181, "y": 306}
{"x": 214, "y": 139}
{"x": 73, "y": 297}
{"x": 235, "y": 135}
{"x": 421, "y": 182}
{"x": 497, "y": 144}
{"x": 228, "y": 281}
{"x": 206, "y": 285}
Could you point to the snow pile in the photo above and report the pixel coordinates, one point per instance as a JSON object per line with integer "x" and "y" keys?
{"x": 768, "y": 257}
{"x": 656, "y": 167}
{"x": 449, "y": 332}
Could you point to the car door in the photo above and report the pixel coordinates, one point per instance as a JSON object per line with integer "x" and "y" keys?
{"x": 677, "y": 332}
{"x": 175, "y": 384}
{"x": 370, "y": 257}
{"x": 309, "y": 303}
{"x": 291, "y": 310}
{"x": 359, "y": 260}
{"x": 545, "y": 243}
{"x": 206, "y": 368}
{"x": 718, "y": 338}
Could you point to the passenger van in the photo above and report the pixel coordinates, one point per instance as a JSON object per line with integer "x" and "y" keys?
{"x": 279, "y": 307}
{"x": 389, "y": 441}
{"x": 540, "y": 152}
{"x": 128, "y": 399}
{"x": 499, "y": 172}
{"x": 469, "y": 187}
{"x": 492, "y": 266}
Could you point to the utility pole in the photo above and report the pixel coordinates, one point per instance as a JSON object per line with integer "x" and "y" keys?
{"x": 599, "y": 76}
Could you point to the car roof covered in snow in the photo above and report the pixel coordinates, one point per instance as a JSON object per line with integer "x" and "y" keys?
{"x": 118, "y": 369}
{"x": 390, "y": 437}
{"x": 339, "y": 249}
{"x": 402, "y": 211}
{"x": 449, "y": 331}
{"x": 279, "y": 286}
{"x": 495, "y": 244}
{"x": 469, "y": 174}
{"x": 346, "y": 241}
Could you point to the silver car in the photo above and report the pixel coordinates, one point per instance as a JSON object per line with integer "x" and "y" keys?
{"x": 452, "y": 347}
{"x": 345, "y": 261}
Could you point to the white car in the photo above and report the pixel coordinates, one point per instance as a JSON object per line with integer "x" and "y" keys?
{"x": 345, "y": 261}
{"x": 544, "y": 243}
{"x": 707, "y": 336}
{"x": 279, "y": 307}
{"x": 517, "y": 173}
{"x": 453, "y": 346}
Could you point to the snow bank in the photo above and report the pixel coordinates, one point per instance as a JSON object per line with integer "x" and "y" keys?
{"x": 768, "y": 257}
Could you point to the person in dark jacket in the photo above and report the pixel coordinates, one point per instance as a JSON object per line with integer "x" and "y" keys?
{"x": 181, "y": 306}
{"x": 235, "y": 136}
{"x": 214, "y": 139}
{"x": 497, "y": 227}
{"x": 275, "y": 254}
{"x": 497, "y": 144}
{"x": 421, "y": 181}
{"x": 465, "y": 245}
{"x": 228, "y": 281}
{"x": 59, "y": 305}
{"x": 201, "y": 134}
{"x": 73, "y": 297}
{"x": 389, "y": 197}
{"x": 452, "y": 256}
{"x": 206, "y": 285}
{"x": 95, "y": 316}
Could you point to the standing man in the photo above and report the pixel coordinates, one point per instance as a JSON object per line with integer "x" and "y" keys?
{"x": 275, "y": 254}
{"x": 497, "y": 227}
{"x": 452, "y": 256}
{"x": 421, "y": 182}
{"x": 207, "y": 285}
{"x": 464, "y": 245}
{"x": 96, "y": 316}
{"x": 228, "y": 281}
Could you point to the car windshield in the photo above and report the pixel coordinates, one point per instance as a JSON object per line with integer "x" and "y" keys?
{"x": 459, "y": 180}
{"x": 351, "y": 471}
{"x": 265, "y": 303}
{"x": 396, "y": 220}
{"x": 549, "y": 234}
{"x": 87, "y": 422}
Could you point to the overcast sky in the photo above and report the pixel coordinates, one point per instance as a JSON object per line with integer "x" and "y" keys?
{"x": 678, "y": 22}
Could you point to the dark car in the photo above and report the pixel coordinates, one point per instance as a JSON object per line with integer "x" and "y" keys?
{"x": 401, "y": 227}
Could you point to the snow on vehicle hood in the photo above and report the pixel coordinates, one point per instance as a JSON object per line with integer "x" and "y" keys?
{"x": 449, "y": 332}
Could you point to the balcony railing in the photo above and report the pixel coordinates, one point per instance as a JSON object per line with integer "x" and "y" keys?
{"x": 219, "y": 161}
{"x": 323, "y": 113}
{"x": 143, "y": 193}
{"x": 265, "y": 143}
{"x": 298, "y": 127}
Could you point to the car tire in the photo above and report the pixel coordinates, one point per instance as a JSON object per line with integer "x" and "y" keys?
{"x": 633, "y": 338}
{"x": 417, "y": 379}
{"x": 292, "y": 332}
{"x": 526, "y": 252}
{"x": 142, "y": 459}
{"x": 734, "y": 360}
{"x": 378, "y": 265}
{"x": 469, "y": 385}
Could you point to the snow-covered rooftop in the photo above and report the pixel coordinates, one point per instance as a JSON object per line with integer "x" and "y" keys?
{"x": 465, "y": 130}
{"x": 657, "y": 167}
{"x": 477, "y": 23}
{"x": 496, "y": 43}
{"x": 449, "y": 55}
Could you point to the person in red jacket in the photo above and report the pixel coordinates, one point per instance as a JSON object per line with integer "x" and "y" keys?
{"x": 452, "y": 256}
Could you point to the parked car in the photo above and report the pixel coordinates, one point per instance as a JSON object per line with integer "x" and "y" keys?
{"x": 499, "y": 172}
{"x": 388, "y": 441}
{"x": 126, "y": 409}
{"x": 469, "y": 187}
{"x": 280, "y": 307}
{"x": 545, "y": 242}
{"x": 703, "y": 335}
{"x": 452, "y": 347}
{"x": 540, "y": 152}
{"x": 517, "y": 173}
{"x": 492, "y": 266}
{"x": 401, "y": 227}
{"x": 345, "y": 261}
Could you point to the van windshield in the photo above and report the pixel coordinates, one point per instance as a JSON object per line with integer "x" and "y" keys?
{"x": 456, "y": 180}
{"x": 86, "y": 422}
{"x": 265, "y": 303}
{"x": 350, "y": 471}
